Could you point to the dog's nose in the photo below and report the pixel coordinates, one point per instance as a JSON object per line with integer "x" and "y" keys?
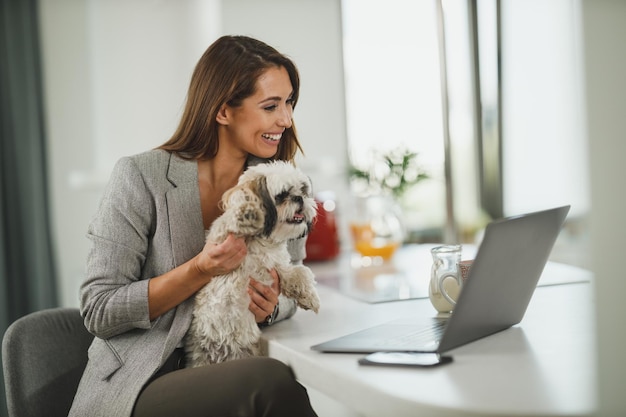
{"x": 297, "y": 199}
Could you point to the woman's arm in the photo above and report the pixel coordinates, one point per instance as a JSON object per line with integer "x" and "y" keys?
{"x": 172, "y": 288}
{"x": 116, "y": 296}
{"x": 113, "y": 296}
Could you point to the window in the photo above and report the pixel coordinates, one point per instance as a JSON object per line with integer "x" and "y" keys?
{"x": 529, "y": 140}
{"x": 393, "y": 96}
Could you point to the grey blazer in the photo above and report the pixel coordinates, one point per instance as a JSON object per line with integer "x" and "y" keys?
{"x": 149, "y": 221}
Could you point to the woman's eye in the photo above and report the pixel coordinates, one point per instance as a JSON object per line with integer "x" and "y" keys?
{"x": 271, "y": 108}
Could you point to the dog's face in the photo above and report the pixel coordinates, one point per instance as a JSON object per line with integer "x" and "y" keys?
{"x": 282, "y": 196}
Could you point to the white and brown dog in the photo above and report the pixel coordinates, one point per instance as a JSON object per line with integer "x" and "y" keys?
{"x": 270, "y": 205}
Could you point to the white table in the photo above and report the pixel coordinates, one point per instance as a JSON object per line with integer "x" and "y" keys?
{"x": 543, "y": 367}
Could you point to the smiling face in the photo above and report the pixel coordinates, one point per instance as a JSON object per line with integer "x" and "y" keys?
{"x": 256, "y": 126}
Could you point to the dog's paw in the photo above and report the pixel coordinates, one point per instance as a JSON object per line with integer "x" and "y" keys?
{"x": 298, "y": 283}
{"x": 250, "y": 219}
{"x": 310, "y": 302}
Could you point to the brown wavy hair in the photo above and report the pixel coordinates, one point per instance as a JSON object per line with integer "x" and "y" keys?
{"x": 227, "y": 74}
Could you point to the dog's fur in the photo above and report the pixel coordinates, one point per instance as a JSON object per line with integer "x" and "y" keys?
{"x": 271, "y": 204}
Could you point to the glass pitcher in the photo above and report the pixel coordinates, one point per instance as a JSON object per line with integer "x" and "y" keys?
{"x": 445, "y": 280}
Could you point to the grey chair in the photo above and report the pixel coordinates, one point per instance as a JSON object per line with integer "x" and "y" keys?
{"x": 43, "y": 357}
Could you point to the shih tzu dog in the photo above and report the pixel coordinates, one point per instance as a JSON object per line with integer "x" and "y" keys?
{"x": 270, "y": 205}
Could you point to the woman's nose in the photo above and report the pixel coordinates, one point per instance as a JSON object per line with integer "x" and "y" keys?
{"x": 285, "y": 117}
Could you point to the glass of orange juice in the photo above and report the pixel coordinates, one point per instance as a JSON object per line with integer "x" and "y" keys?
{"x": 376, "y": 227}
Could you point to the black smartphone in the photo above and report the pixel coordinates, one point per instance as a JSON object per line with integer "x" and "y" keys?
{"x": 404, "y": 359}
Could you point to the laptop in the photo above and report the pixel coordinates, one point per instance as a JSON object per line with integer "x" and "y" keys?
{"x": 495, "y": 296}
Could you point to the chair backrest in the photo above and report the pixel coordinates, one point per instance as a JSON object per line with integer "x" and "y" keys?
{"x": 43, "y": 356}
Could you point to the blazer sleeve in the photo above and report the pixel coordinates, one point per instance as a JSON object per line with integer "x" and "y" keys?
{"x": 113, "y": 296}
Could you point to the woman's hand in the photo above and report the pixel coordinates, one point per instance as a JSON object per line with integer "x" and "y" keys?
{"x": 263, "y": 298}
{"x": 220, "y": 259}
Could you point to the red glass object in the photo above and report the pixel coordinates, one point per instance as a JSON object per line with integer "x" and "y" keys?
{"x": 323, "y": 241}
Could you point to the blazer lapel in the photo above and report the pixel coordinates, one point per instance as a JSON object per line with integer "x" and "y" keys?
{"x": 186, "y": 231}
{"x": 184, "y": 211}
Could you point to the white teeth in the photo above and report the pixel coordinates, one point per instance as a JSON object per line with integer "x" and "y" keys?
{"x": 272, "y": 137}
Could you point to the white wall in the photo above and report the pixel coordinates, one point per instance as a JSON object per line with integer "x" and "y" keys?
{"x": 544, "y": 152}
{"x": 604, "y": 24}
{"x": 116, "y": 76}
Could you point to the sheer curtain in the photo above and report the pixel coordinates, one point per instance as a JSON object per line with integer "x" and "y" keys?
{"x": 27, "y": 270}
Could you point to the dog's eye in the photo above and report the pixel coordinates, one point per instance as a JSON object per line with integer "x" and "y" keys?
{"x": 281, "y": 197}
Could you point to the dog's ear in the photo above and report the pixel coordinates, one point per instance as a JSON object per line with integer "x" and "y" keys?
{"x": 226, "y": 202}
{"x": 271, "y": 214}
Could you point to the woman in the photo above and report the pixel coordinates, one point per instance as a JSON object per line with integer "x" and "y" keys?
{"x": 148, "y": 254}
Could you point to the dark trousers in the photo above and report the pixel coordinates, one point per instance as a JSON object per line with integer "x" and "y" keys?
{"x": 253, "y": 387}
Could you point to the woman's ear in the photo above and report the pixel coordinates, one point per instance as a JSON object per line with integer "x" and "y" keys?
{"x": 222, "y": 115}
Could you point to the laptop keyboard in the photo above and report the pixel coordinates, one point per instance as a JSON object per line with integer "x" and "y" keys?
{"x": 422, "y": 337}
